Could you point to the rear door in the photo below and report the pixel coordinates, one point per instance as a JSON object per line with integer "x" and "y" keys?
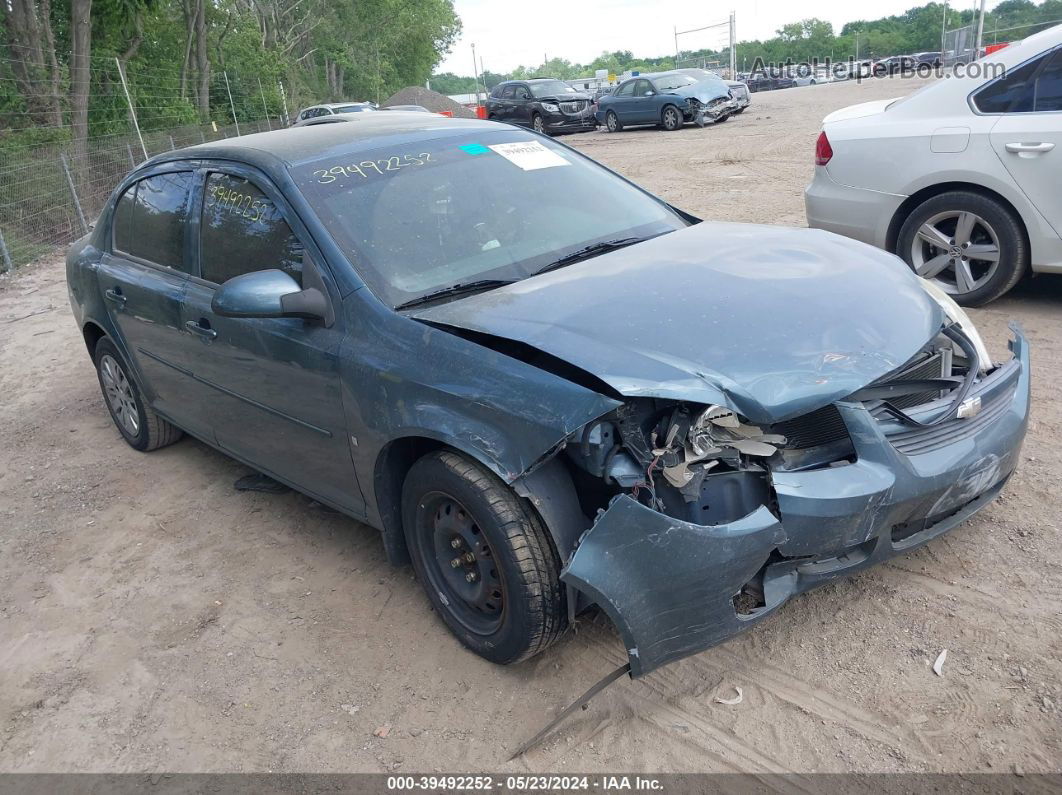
{"x": 522, "y": 102}
{"x": 504, "y": 110}
{"x": 271, "y": 385}
{"x": 143, "y": 277}
{"x": 1028, "y": 135}
{"x": 622, "y": 99}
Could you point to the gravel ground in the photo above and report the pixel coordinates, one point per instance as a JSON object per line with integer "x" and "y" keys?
{"x": 155, "y": 619}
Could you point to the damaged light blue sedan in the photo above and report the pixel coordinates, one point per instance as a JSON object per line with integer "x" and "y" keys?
{"x": 547, "y": 388}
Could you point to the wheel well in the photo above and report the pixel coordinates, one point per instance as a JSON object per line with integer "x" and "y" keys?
{"x": 392, "y": 466}
{"x": 915, "y": 199}
{"x": 93, "y": 334}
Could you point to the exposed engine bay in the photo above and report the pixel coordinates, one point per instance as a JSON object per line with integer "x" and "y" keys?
{"x": 709, "y": 466}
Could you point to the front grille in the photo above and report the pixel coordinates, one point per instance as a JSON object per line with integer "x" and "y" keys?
{"x": 931, "y": 366}
{"x": 573, "y": 107}
{"x": 814, "y": 429}
{"x": 925, "y": 440}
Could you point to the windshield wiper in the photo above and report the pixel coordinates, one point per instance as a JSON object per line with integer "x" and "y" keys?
{"x": 589, "y": 251}
{"x": 455, "y": 289}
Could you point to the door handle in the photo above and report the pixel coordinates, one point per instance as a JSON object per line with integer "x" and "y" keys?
{"x": 115, "y": 296}
{"x": 1035, "y": 149}
{"x": 205, "y": 332}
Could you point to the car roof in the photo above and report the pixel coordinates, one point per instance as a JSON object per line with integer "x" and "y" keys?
{"x": 294, "y": 146}
{"x": 331, "y": 105}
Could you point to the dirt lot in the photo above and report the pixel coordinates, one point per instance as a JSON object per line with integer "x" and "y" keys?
{"x": 152, "y": 618}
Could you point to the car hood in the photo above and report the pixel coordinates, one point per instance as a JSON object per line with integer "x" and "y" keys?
{"x": 564, "y": 98}
{"x": 859, "y": 111}
{"x": 770, "y": 321}
{"x": 704, "y": 90}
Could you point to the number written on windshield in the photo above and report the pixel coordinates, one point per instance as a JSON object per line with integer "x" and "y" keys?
{"x": 367, "y": 168}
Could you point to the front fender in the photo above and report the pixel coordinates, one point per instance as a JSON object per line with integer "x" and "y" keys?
{"x": 415, "y": 380}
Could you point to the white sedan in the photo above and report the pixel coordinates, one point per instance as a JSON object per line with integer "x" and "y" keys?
{"x": 962, "y": 179}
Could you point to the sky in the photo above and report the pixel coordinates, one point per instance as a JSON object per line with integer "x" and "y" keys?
{"x": 508, "y": 33}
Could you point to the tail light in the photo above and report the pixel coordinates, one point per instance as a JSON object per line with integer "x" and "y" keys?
{"x": 823, "y": 150}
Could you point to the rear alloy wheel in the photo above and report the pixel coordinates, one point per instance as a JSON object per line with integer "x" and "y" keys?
{"x": 612, "y": 122}
{"x": 141, "y": 427}
{"x": 483, "y": 557}
{"x": 537, "y": 124}
{"x": 671, "y": 118}
{"x": 968, "y": 244}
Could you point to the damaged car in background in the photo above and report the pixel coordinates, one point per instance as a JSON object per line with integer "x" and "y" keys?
{"x": 544, "y": 402}
{"x": 669, "y": 100}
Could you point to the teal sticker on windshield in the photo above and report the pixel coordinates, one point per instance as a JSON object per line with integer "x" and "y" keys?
{"x": 474, "y": 149}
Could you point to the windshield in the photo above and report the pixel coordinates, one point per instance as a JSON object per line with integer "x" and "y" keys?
{"x": 418, "y": 216}
{"x": 550, "y": 88}
{"x": 671, "y": 82}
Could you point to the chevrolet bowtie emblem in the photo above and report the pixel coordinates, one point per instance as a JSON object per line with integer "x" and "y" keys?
{"x": 970, "y": 407}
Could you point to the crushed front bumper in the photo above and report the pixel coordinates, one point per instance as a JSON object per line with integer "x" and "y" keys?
{"x": 669, "y": 585}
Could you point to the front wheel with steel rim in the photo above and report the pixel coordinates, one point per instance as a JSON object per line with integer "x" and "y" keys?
{"x": 538, "y": 125}
{"x": 612, "y": 122}
{"x": 141, "y": 427}
{"x": 969, "y": 244}
{"x": 483, "y": 557}
{"x": 671, "y": 118}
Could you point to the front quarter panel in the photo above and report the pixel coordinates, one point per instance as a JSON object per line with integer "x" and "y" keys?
{"x": 403, "y": 378}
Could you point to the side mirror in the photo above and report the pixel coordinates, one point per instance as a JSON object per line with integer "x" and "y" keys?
{"x": 649, "y": 93}
{"x": 270, "y": 293}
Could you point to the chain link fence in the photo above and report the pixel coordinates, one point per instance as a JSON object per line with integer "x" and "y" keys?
{"x": 51, "y": 193}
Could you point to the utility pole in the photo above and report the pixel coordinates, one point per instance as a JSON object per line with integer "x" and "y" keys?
{"x": 675, "y": 28}
{"x": 475, "y": 72}
{"x": 980, "y": 30}
{"x": 943, "y": 31}
{"x": 733, "y": 48}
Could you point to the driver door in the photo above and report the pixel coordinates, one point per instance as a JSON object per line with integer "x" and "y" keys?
{"x": 643, "y": 105}
{"x": 272, "y": 385}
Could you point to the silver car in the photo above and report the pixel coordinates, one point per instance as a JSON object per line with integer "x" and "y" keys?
{"x": 330, "y": 109}
{"x": 961, "y": 178}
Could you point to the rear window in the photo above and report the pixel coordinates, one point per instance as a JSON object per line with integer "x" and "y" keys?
{"x": 149, "y": 219}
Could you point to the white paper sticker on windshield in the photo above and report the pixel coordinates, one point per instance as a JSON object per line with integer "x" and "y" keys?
{"x": 529, "y": 155}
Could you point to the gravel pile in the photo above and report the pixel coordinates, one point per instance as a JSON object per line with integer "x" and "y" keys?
{"x": 432, "y": 100}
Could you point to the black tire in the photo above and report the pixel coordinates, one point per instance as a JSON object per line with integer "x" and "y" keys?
{"x": 671, "y": 118}
{"x": 739, "y": 110}
{"x": 722, "y": 118}
{"x": 1013, "y": 251}
{"x": 537, "y": 124}
{"x": 612, "y": 122}
{"x": 444, "y": 491}
{"x": 150, "y": 431}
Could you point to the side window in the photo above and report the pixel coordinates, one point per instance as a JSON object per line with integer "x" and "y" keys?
{"x": 643, "y": 88}
{"x": 626, "y": 90}
{"x": 150, "y": 218}
{"x": 509, "y": 92}
{"x": 523, "y": 92}
{"x": 122, "y": 225}
{"x": 243, "y": 231}
{"x": 1049, "y": 86}
{"x": 1014, "y": 93}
